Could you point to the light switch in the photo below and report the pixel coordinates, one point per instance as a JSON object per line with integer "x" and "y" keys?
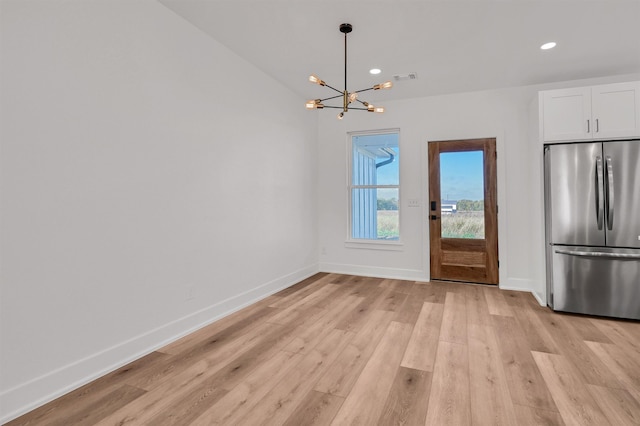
{"x": 414, "y": 202}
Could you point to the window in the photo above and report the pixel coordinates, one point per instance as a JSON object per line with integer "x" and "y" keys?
{"x": 374, "y": 188}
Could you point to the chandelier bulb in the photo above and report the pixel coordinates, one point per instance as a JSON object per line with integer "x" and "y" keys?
{"x": 341, "y": 116}
{"x": 372, "y": 108}
{"x": 313, "y": 104}
{"x": 353, "y": 97}
{"x": 315, "y": 79}
{"x": 385, "y": 85}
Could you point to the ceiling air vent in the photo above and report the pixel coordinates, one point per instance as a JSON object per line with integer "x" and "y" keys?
{"x": 408, "y": 76}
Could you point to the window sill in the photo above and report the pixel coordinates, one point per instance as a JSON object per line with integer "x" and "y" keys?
{"x": 374, "y": 245}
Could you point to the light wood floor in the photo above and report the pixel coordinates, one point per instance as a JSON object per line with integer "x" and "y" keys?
{"x": 337, "y": 349}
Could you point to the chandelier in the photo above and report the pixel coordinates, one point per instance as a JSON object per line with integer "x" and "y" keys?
{"x": 348, "y": 98}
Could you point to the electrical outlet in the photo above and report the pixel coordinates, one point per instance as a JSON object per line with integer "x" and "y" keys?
{"x": 414, "y": 202}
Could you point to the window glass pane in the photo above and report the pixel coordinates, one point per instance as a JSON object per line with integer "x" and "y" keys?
{"x": 462, "y": 194}
{"x": 376, "y": 159}
{"x": 374, "y": 213}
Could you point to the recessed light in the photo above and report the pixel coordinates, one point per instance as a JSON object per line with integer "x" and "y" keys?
{"x": 548, "y": 46}
{"x": 375, "y": 71}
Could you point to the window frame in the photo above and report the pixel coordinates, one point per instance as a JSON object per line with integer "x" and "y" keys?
{"x": 365, "y": 243}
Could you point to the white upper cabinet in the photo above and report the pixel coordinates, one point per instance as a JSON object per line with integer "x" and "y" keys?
{"x": 567, "y": 114}
{"x": 610, "y": 111}
{"x": 615, "y": 109}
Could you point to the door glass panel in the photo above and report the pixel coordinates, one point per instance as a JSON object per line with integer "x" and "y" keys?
{"x": 462, "y": 194}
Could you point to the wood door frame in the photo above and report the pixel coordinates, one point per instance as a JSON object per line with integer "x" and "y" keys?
{"x": 488, "y": 272}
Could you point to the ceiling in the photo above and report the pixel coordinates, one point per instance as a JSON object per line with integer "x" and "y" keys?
{"x": 453, "y": 46}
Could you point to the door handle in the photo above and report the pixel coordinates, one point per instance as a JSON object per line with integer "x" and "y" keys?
{"x": 599, "y": 192}
{"x": 582, "y": 253}
{"x": 434, "y": 217}
{"x": 610, "y": 192}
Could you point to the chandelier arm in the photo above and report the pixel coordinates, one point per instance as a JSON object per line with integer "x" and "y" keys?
{"x": 364, "y": 90}
{"x": 333, "y": 97}
{"x": 333, "y": 88}
{"x": 350, "y": 108}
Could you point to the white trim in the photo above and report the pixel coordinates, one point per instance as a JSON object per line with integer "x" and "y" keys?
{"x": 350, "y": 186}
{"x": 522, "y": 284}
{"x": 391, "y": 245}
{"x": 539, "y": 298}
{"x": 502, "y": 212}
{"x": 374, "y": 271}
{"x": 511, "y": 284}
{"x": 535, "y": 295}
{"x": 36, "y": 392}
{"x": 517, "y": 284}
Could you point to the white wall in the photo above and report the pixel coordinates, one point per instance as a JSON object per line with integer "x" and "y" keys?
{"x": 151, "y": 182}
{"x": 145, "y": 191}
{"x": 461, "y": 116}
{"x": 504, "y": 114}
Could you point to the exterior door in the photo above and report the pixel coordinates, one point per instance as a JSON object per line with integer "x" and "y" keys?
{"x": 463, "y": 222}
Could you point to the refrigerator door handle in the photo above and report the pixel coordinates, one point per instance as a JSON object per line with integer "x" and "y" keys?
{"x": 610, "y": 192}
{"x": 599, "y": 254}
{"x": 599, "y": 192}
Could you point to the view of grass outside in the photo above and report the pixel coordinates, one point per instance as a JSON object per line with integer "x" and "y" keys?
{"x": 467, "y": 223}
{"x": 388, "y": 225}
{"x": 388, "y": 219}
{"x": 463, "y": 224}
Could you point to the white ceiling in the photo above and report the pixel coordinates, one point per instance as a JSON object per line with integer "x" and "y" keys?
{"x": 453, "y": 46}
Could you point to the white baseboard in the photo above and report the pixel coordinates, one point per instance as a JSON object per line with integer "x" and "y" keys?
{"x": 515, "y": 284}
{"x": 541, "y": 300}
{"x": 27, "y": 396}
{"x": 375, "y": 271}
{"x": 521, "y": 284}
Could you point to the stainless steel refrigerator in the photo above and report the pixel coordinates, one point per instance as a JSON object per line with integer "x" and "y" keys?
{"x": 592, "y": 214}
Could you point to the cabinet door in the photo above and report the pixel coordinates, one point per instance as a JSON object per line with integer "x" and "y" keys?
{"x": 567, "y": 114}
{"x": 616, "y": 110}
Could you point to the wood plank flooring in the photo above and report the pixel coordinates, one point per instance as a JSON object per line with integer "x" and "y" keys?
{"x": 348, "y": 350}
